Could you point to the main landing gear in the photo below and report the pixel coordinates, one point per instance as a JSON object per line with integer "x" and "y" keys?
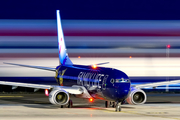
{"x": 69, "y": 105}
{"x": 116, "y": 105}
{"x": 109, "y": 104}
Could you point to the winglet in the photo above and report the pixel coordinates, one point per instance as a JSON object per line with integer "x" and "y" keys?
{"x": 63, "y": 56}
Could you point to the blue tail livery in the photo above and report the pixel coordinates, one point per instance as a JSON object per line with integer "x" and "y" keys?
{"x": 63, "y": 56}
{"x": 91, "y": 82}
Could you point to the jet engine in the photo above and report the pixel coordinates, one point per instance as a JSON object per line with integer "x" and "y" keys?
{"x": 59, "y": 97}
{"x": 136, "y": 96}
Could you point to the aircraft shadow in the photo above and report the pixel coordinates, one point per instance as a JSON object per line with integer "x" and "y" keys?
{"x": 47, "y": 105}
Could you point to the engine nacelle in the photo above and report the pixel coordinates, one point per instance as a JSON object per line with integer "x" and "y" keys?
{"x": 59, "y": 97}
{"x": 136, "y": 96}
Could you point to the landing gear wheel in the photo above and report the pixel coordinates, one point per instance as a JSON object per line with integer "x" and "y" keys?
{"x": 118, "y": 107}
{"x": 107, "y": 104}
{"x": 62, "y": 106}
{"x": 112, "y": 104}
{"x": 70, "y": 104}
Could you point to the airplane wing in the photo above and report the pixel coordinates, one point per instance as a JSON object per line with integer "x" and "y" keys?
{"x": 30, "y": 66}
{"x": 71, "y": 90}
{"x": 155, "y": 84}
{"x": 18, "y": 84}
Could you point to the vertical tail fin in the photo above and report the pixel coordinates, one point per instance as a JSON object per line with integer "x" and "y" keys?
{"x": 63, "y": 56}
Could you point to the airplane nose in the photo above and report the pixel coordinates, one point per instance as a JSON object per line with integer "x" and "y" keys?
{"x": 117, "y": 92}
{"x": 122, "y": 90}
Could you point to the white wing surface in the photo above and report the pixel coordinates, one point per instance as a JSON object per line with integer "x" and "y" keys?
{"x": 155, "y": 84}
{"x": 71, "y": 90}
{"x": 18, "y": 84}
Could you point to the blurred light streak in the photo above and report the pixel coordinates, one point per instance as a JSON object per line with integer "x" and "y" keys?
{"x": 168, "y": 46}
{"x": 90, "y": 28}
{"x": 133, "y": 67}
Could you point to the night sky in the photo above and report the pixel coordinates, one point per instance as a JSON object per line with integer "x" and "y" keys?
{"x": 91, "y": 9}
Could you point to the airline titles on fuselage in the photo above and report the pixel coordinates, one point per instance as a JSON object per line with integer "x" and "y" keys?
{"x": 90, "y": 79}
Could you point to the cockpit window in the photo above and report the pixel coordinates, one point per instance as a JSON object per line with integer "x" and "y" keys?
{"x": 121, "y": 80}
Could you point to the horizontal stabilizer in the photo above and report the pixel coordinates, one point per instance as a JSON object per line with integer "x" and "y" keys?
{"x": 102, "y": 63}
{"x": 30, "y": 66}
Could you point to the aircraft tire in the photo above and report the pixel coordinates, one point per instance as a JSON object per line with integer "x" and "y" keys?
{"x": 112, "y": 104}
{"x": 107, "y": 104}
{"x": 70, "y": 104}
{"x": 118, "y": 107}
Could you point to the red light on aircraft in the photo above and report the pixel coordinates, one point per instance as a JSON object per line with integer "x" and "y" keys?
{"x": 46, "y": 92}
{"x": 130, "y": 56}
{"x": 91, "y": 99}
{"x": 79, "y": 56}
{"x": 94, "y": 66}
{"x": 168, "y": 46}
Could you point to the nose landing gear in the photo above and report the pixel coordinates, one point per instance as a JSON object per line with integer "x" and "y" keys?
{"x": 118, "y": 106}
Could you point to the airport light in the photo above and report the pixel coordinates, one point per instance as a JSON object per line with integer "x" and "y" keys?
{"x": 79, "y": 56}
{"x": 167, "y": 55}
{"x": 168, "y": 46}
{"x": 130, "y": 56}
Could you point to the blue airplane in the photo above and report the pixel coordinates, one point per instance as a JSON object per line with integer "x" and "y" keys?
{"x": 92, "y": 82}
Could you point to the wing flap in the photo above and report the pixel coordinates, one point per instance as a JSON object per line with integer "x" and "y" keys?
{"x": 157, "y": 84}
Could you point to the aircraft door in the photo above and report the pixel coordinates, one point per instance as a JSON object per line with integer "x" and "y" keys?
{"x": 104, "y": 82}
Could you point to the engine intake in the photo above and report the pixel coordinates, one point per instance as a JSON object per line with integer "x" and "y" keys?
{"x": 59, "y": 97}
{"x": 136, "y": 96}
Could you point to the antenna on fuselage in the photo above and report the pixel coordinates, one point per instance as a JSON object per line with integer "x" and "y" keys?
{"x": 63, "y": 56}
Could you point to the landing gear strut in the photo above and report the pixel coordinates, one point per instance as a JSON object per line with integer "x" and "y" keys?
{"x": 68, "y": 105}
{"x": 118, "y": 106}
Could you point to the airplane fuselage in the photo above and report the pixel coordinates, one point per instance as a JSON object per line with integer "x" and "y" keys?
{"x": 101, "y": 83}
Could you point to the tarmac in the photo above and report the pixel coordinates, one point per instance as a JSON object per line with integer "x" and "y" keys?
{"x": 37, "y": 107}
